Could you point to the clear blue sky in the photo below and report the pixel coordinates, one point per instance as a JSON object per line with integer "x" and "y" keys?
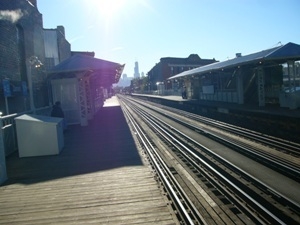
{"x": 125, "y": 31}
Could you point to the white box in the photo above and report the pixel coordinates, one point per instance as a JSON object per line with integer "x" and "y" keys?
{"x": 39, "y": 135}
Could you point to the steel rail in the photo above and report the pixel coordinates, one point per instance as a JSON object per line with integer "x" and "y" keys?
{"x": 162, "y": 169}
{"x": 267, "y": 159}
{"x": 175, "y": 140}
{"x": 280, "y": 144}
{"x": 270, "y": 160}
{"x": 220, "y": 176}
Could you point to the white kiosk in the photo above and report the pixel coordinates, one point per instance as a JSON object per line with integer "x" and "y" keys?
{"x": 39, "y": 135}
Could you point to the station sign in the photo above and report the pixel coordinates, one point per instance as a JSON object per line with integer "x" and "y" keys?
{"x": 14, "y": 88}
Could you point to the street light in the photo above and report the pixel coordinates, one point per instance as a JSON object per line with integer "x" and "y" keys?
{"x": 160, "y": 87}
{"x": 32, "y": 61}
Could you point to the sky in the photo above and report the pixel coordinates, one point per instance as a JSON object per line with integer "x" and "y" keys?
{"x": 126, "y": 31}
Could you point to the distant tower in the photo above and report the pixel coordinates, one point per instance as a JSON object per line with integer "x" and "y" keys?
{"x": 136, "y": 70}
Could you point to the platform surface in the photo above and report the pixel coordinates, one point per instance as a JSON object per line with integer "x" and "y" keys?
{"x": 100, "y": 177}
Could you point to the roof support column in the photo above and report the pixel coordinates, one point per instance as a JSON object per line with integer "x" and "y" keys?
{"x": 240, "y": 87}
{"x": 82, "y": 101}
{"x": 89, "y": 100}
{"x": 291, "y": 75}
{"x": 261, "y": 86}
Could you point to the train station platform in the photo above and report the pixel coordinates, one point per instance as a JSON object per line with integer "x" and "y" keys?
{"x": 100, "y": 177}
{"x": 272, "y": 120}
{"x": 267, "y": 110}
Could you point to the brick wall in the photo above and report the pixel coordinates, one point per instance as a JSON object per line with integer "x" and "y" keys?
{"x": 21, "y": 37}
{"x": 9, "y": 56}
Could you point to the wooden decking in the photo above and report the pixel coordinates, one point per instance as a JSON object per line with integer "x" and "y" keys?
{"x": 99, "y": 178}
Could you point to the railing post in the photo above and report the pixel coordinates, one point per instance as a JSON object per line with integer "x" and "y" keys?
{"x": 3, "y": 173}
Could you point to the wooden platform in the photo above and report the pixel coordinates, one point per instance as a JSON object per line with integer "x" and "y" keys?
{"x": 99, "y": 178}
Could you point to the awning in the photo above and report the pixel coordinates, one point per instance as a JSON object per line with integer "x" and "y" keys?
{"x": 106, "y": 70}
{"x": 280, "y": 54}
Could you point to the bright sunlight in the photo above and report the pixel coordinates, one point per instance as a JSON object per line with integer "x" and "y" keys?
{"x": 109, "y": 8}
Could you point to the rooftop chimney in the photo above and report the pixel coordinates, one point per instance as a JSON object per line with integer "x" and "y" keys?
{"x": 61, "y": 29}
{"x": 238, "y": 55}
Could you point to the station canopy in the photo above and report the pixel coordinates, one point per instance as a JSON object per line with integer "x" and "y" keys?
{"x": 280, "y": 54}
{"x": 106, "y": 72}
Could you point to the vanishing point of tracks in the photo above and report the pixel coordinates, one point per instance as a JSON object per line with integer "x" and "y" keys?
{"x": 214, "y": 173}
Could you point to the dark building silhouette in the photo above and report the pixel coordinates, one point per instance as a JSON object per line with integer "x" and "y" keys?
{"x": 136, "y": 70}
{"x": 170, "y": 66}
{"x": 21, "y": 37}
{"x": 92, "y": 54}
{"x": 124, "y": 81}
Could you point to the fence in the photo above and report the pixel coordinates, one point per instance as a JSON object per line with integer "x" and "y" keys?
{"x": 162, "y": 93}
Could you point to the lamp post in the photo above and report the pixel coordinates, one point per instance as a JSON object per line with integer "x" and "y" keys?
{"x": 32, "y": 61}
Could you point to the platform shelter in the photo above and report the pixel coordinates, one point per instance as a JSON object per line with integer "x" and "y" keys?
{"x": 80, "y": 84}
{"x": 270, "y": 76}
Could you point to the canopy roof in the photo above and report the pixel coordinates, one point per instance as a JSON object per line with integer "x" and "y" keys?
{"x": 79, "y": 63}
{"x": 280, "y": 54}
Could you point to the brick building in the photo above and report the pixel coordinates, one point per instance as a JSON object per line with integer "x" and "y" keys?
{"x": 23, "y": 38}
{"x": 170, "y": 66}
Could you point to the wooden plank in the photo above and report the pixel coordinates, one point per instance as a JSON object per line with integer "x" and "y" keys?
{"x": 84, "y": 198}
{"x": 99, "y": 178}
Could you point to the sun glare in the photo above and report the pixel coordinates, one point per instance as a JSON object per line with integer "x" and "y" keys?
{"x": 109, "y": 8}
{"x": 107, "y": 18}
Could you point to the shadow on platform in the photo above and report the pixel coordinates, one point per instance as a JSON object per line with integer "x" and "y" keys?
{"x": 106, "y": 143}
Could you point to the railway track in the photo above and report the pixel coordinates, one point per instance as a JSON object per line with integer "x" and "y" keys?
{"x": 286, "y": 146}
{"x": 185, "y": 210}
{"x": 278, "y": 162}
{"x": 219, "y": 191}
{"x": 283, "y": 145}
